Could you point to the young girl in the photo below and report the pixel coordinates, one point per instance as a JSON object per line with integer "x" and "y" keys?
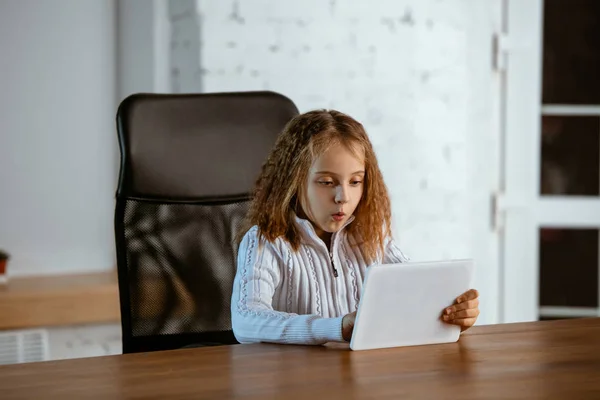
{"x": 319, "y": 218}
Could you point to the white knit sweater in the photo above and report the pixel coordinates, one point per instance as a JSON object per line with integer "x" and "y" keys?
{"x": 282, "y": 296}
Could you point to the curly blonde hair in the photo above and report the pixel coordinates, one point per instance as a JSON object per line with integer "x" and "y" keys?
{"x": 281, "y": 186}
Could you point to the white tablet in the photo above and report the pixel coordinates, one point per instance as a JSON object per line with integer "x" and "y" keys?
{"x": 401, "y": 304}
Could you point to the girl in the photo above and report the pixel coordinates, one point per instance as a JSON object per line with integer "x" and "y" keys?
{"x": 320, "y": 216}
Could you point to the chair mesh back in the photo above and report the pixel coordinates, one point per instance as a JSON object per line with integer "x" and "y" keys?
{"x": 179, "y": 262}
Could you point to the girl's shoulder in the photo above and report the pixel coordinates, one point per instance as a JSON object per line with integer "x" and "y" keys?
{"x": 253, "y": 241}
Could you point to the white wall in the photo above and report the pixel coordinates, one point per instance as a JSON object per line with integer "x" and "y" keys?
{"x": 186, "y": 46}
{"x": 58, "y": 143}
{"x": 143, "y": 47}
{"x": 417, "y": 73}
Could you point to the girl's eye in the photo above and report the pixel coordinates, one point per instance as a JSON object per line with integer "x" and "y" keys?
{"x": 326, "y": 183}
{"x": 355, "y": 183}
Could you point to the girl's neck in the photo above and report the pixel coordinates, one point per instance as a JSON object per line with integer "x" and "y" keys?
{"x": 326, "y": 238}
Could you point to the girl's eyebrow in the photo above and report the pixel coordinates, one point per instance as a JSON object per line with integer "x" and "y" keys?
{"x": 333, "y": 173}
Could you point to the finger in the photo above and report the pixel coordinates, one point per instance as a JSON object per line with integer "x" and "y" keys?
{"x": 470, "y": 313}
{"x": 462, "y": 306}
{"x": 471, "y": 294}
{"x": 468, "y": 295}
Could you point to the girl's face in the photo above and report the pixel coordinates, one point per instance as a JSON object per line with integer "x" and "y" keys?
{"x": 334, "y": 189}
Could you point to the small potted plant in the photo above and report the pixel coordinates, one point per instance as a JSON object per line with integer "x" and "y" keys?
{"x": 3, "y": 261}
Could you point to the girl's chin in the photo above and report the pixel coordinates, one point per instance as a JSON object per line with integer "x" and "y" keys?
{"x": 329, "y": 226}
{"x": 333, "y": 225}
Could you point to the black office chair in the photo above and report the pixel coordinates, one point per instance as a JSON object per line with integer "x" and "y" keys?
{"x": 188, "y": 165}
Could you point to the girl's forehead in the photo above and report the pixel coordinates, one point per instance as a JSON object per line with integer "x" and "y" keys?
{"x": 340, "y": 158}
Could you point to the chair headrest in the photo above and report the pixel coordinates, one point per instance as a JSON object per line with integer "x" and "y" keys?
{"x": 196, "y": 146}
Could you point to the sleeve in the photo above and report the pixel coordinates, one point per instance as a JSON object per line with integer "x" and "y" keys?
{"x": 393, "y": 254}
{"x": 253, "y": 318}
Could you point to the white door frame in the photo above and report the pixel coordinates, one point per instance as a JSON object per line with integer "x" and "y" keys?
{"x": 521, "y": 161}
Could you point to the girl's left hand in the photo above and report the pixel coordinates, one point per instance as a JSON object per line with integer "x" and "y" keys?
{"x": 464, "y": 311}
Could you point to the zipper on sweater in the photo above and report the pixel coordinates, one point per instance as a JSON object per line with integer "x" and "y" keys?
{"x": 335, "y": 271}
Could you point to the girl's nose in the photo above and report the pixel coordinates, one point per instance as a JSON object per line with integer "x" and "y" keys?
{"x": 341, "y": 195}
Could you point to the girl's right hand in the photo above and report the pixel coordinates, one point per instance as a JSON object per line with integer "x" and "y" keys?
{"x": 348, "y": 326}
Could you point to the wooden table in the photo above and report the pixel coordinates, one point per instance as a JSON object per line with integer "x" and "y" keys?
{"x": 549, "y": 360}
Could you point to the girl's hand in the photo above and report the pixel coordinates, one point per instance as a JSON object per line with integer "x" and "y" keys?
{"x": 348, "y": 326}
{"x": 464, "y": 311}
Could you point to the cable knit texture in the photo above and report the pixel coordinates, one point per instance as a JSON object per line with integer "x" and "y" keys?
{"x": 283, "y": 296}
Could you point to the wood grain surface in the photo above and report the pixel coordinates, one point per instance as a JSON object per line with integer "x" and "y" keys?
{"x": 539, "y": 360}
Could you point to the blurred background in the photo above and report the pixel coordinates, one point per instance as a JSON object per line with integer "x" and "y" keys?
{"x": 485, "y": 116}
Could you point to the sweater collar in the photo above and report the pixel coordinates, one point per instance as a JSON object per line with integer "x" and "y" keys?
{"x": 308, "y": 230}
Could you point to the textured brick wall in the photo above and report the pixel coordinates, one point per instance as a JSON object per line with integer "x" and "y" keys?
{"x": 399, "y": 66}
